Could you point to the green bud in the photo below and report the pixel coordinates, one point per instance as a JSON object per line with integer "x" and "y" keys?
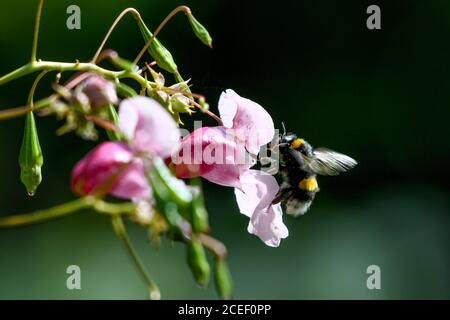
{"x": 178, "y": 192}
{"x": 125, "y": 91}
{"x": 199, "y": 215}
{"x": 204, "y": 105}
{"x": 161, "y": 55}
{"x": 164, "y": 204}
{"x": 222, "y": 279}
{"x": 30, "y": 157}
{"x": 181, "y": 104}
{"x": 200, "y": 31}
{"x": 198, "y": 263}
{"x": 114, "y": 118}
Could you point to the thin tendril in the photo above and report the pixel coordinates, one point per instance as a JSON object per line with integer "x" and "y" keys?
{"x": 111, "y": 29}
{"x": 33, "y": 89}
{"x": 37, "y": 23}
{"x": 161, "y": 25}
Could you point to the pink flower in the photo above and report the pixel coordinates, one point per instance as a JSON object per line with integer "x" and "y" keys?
{"x": 110, "y": 168}
{"x": 252, "y": 123}
{"x": 148, "y": 126}
{"x": 255, "y": 201}
{"x": 210, "y": 153}
{"x": 115, "y": 167}
{"x": 221, "y": 153}
{"x": 99, "y": 91}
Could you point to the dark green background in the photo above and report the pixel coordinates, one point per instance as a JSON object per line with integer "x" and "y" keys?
{"x": 380, "y": 96}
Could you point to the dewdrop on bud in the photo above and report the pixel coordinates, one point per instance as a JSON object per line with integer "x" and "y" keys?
{"x": 30, "y": 156}
{"x": 197, "y": 262}
{"x": 200, "y": 31}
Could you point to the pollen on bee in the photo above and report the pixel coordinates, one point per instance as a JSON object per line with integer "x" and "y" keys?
{"x": 297, "y": 143}
{"x": 309, "y": 184}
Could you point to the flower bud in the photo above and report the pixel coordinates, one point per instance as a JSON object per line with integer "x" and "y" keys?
{"x": 125, "y": 91}
{"x": 181, "y": 103}
{"x": 200, "y": 31}
{"x": 113, "y": 135}
{"x": 199, "y": 215}
{"x": 176, "y": 188}
{"x": 161, "y": 55}
{"x": 197, "y": 262}
{"x": 30, "y": 157}
{"x": 99, "y": 91}
{"x": 222, "y": 279}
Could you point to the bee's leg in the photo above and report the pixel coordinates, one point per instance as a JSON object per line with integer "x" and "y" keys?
{"x": 283, "y": 194}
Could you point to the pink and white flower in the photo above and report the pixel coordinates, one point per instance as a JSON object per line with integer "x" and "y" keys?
{"x": 221, "y": 155}
{"x": 255, "y": 201}
{"x": 110, "y": 168}
{"x": 115, "y": 167}
{"x": 252, "y": 124}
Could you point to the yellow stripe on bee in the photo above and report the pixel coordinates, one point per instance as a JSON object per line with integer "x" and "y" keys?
{"x": 297, "y": 143}
{"x": 309, "y": 184}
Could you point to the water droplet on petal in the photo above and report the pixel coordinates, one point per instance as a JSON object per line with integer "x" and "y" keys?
{"x": 31, "y": 193}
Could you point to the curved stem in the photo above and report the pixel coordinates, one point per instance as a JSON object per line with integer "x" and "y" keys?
{"x": 37, "y": 23}
{"x": 111, "y": 29}
{"x": 121, "y": 232}
{"x": 185, "y": 9}
{"x": 33, "y": 88}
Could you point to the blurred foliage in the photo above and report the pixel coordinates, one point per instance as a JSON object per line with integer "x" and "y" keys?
{"x": 379, "y": 96}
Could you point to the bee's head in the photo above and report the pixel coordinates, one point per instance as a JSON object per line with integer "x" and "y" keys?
{"x": 292, "y": 141}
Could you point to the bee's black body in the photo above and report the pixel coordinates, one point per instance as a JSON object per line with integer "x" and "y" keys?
{"x": 298, "y": 165}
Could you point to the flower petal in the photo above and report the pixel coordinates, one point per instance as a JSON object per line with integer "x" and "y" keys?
{"x": 255, "y": 201}
{"x": 105, "y": 161}
{"x": 210, "y": 153}
{"x": 132, "y": 183}
{"x": 258, "y": 190}
{"x": 99, "y": 91}
{"x": 253, "y": 123}
{"x": 268, "y": 225}
{"x": 148, "y": 126}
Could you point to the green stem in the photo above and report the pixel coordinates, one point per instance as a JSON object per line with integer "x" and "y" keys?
{"x": 65, "y": 209}
{"x": 111, "y": 29}
{"x": 19, "y": 72}
{"x": 20, "y": 111}
{"x": 30, "y": 100}
{"x": 70, "y": 66}
{"x": 37, "y": 23}
{"x": 161, "y": 25}
{"x": 44, "y": 215}
{"x": 121, "y": 232}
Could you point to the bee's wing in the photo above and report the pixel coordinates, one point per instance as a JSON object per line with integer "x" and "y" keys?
{"x": 330, "y": 163}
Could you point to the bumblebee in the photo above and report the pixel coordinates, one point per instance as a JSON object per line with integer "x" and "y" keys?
{"x": 299, "y": 164}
